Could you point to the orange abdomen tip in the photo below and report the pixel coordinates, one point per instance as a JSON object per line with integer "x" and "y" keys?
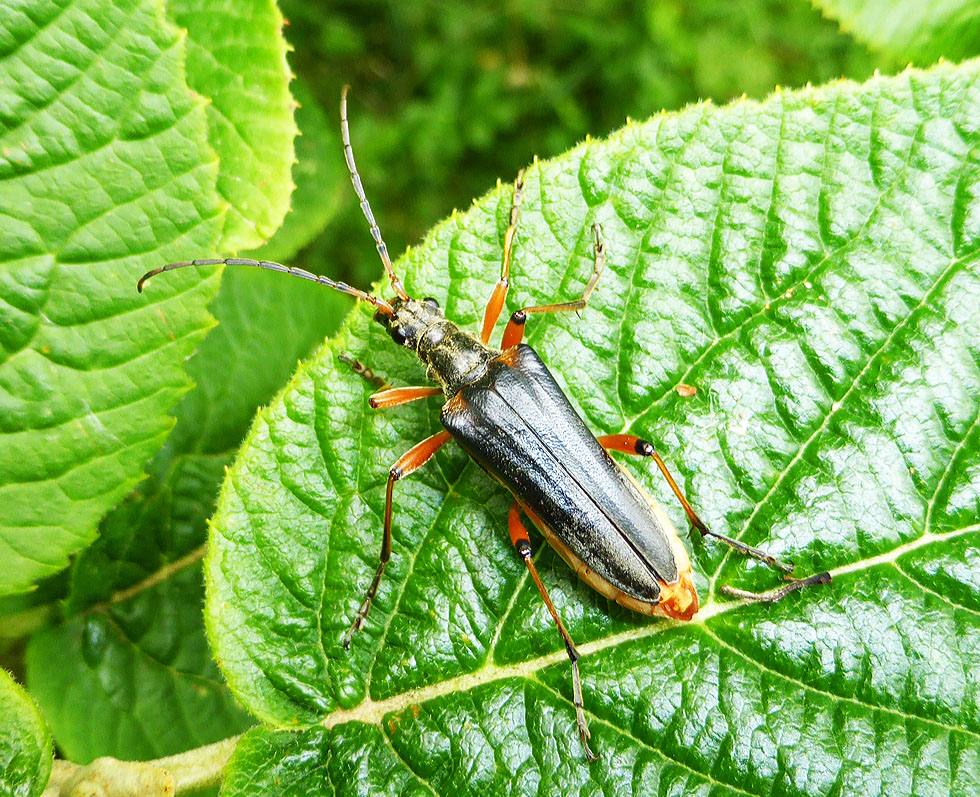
{"x": 679, "y": 601}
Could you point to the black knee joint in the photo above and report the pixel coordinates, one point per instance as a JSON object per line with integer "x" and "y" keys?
{"x": 643, "y": 448}
{"x": 519, "y": 317}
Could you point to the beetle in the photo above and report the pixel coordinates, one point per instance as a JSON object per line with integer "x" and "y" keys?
{"x": 509, "y": 414}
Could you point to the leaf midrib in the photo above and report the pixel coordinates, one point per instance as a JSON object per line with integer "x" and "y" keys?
{"x": 373, "y": 712}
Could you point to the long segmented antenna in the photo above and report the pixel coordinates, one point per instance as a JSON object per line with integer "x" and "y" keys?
{"x": 343, "y": 287}
{"x": 355, "y": 178}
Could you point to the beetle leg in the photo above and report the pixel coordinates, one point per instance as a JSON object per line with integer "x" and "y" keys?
{"x": 777, "y": 594}
{"x": 387, "y": 396}
{"x": 362, "y": 370}
{"x": 394, "y": 396}
{"x": 496, "y": 303}
{"x": 410, "y": 461}
{"x": 514, "y": 333}
{"x": 631, "y": 444}
{"x": 518, "y": 536}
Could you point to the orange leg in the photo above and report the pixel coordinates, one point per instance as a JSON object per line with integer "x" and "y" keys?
{"x": 394, "y": 396}
{"x": 409, "y": 462}
{"x": 631, "y": 444}
{"x": 518, "y": 536}
{"x": 514, "y": 333}
{"x": 496, "y": 303}
{"x": 387, "y": 396}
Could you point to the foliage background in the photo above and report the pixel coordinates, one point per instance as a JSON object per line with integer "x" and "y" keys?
{"x": 446, "y": 99}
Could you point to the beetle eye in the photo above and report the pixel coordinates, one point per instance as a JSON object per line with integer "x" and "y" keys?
{"x": 431, "y": 302}
{"x": 398, "y": 335}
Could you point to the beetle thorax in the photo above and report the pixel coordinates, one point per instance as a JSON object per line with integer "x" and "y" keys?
{"x": 453, "y": 357}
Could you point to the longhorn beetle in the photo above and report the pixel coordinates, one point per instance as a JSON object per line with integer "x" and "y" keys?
{"x": 508, "y": 413}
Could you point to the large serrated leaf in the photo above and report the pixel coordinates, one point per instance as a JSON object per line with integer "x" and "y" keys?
{"x": 810, "y": 265}
{"x": 139, "y": 681}
{"x": 236, "y": 57}
{"x": 142, "y": 684}
{"x": 25, "y": 744}
{"x": 105, "y": 172}
{"x": 919, "y": 30}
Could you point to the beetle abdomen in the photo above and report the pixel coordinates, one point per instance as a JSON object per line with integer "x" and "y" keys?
{"x": 517, "y": 423}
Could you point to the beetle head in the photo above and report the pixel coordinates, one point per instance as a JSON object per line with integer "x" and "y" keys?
{"x": 414, "y": 323}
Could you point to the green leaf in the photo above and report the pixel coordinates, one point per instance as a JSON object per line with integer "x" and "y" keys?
{"x": 105, "y": 173}
{"x": 810, "y": 265}
{"x": 129, "y": 673}
{"x": 25, "y": 744}
{"x": 265, "y": 325}
{"x": 354, "y": 759}
{"x": 236, "y": 57}
{"x": 134, "y": 679}
{"x": 911, "y": 29}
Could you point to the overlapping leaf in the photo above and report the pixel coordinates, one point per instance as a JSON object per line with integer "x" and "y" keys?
{"x": 90, "y": 369}
{"x": 322, "y": 185}
{"x": 236, "y": 57}
{"x": 810, "y": 265}
{"x": 918, "y": 30}
{"x": 105, "y": 172}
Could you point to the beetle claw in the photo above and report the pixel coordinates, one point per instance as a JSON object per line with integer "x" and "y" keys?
{"x": 356, "y": 626}
{"x": 585, "y": 744}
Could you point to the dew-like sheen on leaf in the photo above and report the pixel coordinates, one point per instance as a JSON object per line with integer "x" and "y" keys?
{"x": 810, "y": 265}
{"x": 105, "y": 172}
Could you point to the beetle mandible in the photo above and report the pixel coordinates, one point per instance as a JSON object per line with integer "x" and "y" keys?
{"x": 505, "y": 409}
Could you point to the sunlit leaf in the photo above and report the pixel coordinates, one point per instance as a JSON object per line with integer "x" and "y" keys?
{"x": 105, "y": 172}
{"x": 236, "y": 57}
{"x": 917, "y": 30}
{"x": 810, "y": 265}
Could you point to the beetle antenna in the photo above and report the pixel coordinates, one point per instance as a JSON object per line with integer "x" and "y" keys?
{"x": 343, "y": 287}
{"x": 355, "y": 178}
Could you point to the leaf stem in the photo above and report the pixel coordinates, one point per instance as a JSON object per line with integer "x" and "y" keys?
{"x": 156, "y": 577}
{"x": 178, "y": 774}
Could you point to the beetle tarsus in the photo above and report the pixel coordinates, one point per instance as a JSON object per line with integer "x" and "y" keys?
{"x": 747, "y": 550}
{"x": 361, "y": 618}
{"x": 583, "y": 728}
{"x": 778, "y": 594}
{"x": 362, "y": 370}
